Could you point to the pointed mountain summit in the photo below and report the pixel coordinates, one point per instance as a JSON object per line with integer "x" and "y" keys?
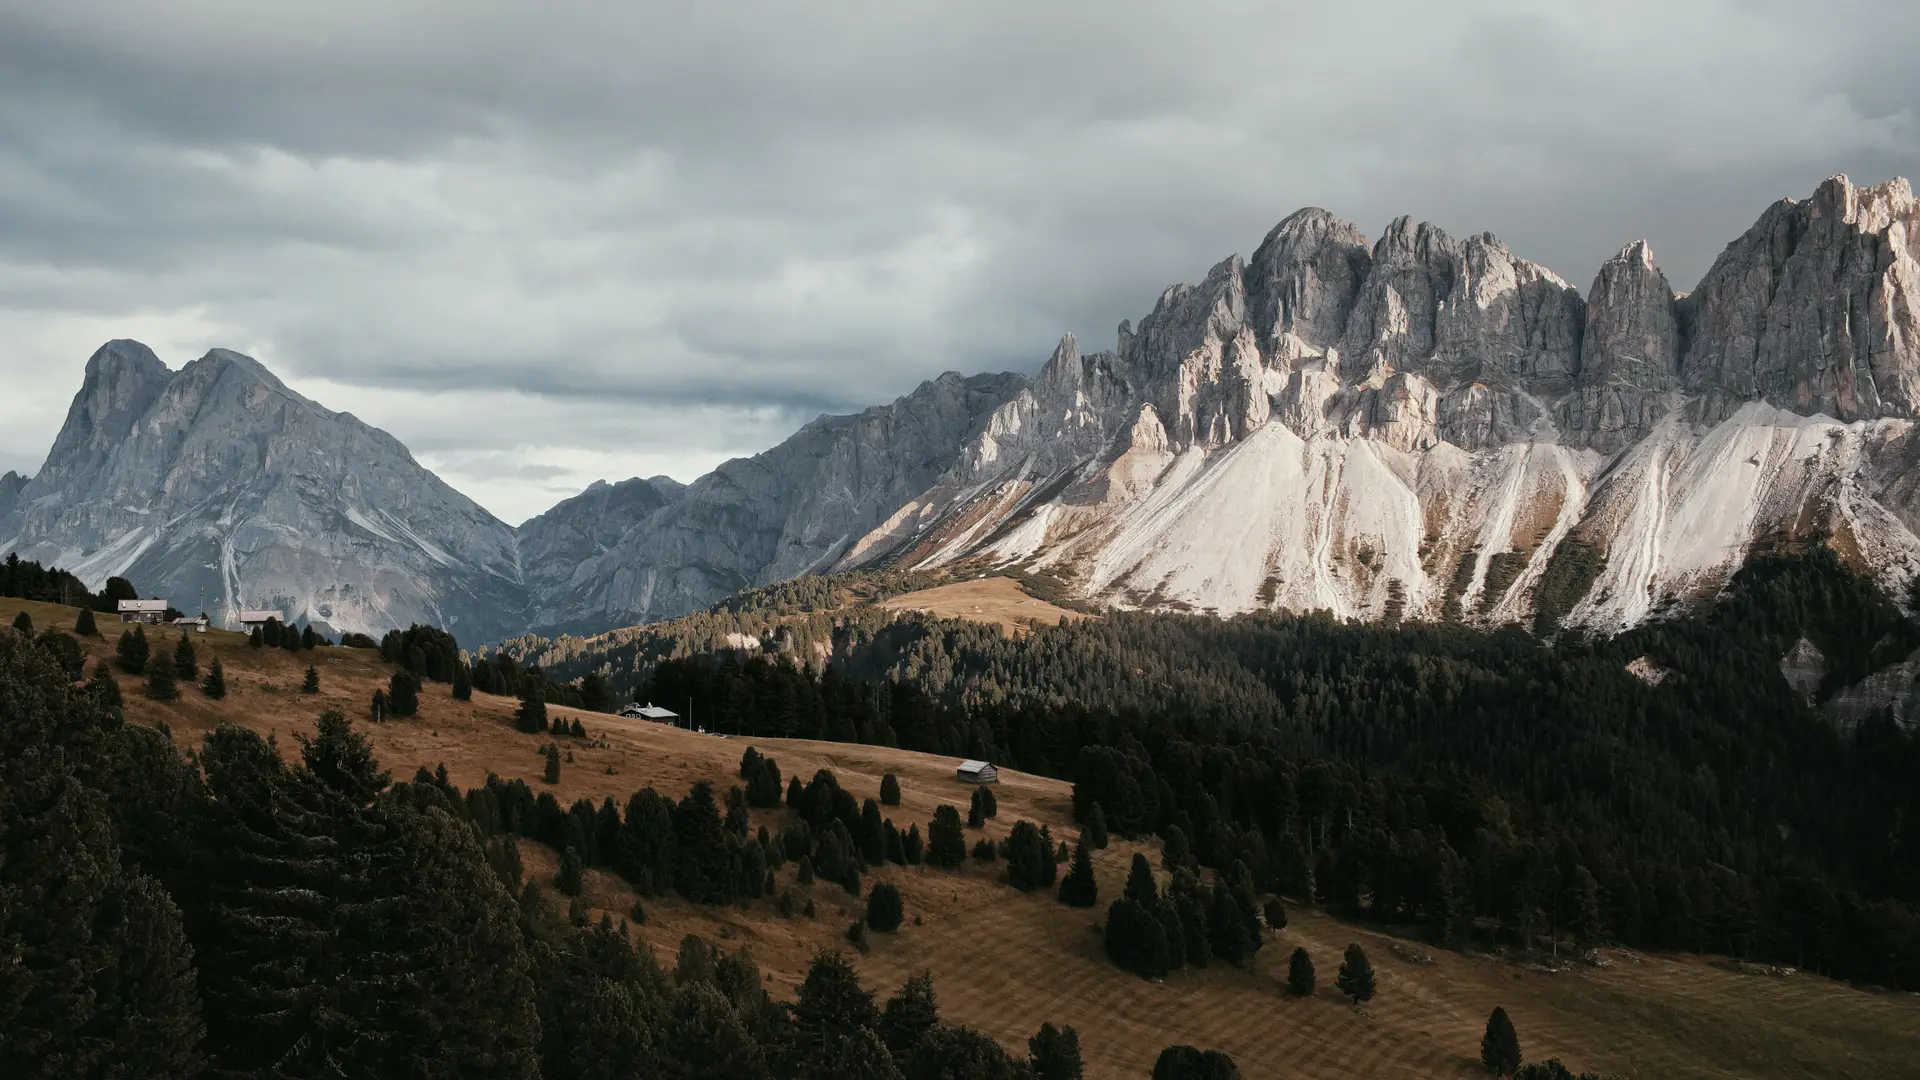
{"x": 218, "y": 488}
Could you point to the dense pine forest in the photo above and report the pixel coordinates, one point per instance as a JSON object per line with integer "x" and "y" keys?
{"x": 240, "y": 913}
{"x": 1489, "y": 787}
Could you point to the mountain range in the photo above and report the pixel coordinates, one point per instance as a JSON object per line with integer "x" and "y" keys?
{"x": 1416, "y": 425}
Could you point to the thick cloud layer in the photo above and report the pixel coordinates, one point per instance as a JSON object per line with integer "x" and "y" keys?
{"x": 547, "y": 243}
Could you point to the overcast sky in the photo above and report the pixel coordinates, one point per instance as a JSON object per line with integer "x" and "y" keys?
{"x": 549, "y": 243}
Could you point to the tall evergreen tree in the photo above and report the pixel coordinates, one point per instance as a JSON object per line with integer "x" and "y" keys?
{"x": 83, "y": 624}
{"x": 1030, "y": 862}
{"x": 832, "y": 1005}
{"x": 105, "y": 687}
{"x": 910, "y": 1015}
{"x": 23, "y": 623}
{"x": 215, "y": 683}
{"x": 1356, "y": 975}
{"x": 884, "y": 910}
{"x": 131, "y": 653}
{"x": 403, "y": 694}
{"x": 342, "y": 759}
{"x": 1500, "y": 1045}
{"x": 186, "y": 665}
{"x": 976, "y": 810}
{"x": 1095, "y": 827}
{"x": 311, "y": 684}
{"x": 946, "y": 843}
{"x": 572, "y": 876}
{"x": 532, "y": 715}
{"x": 160, "y": 684}
{"x": 1141, "y": 888}
{"x": 552, "y": 773}
{"x": 1079, "y": 888}
{"x": 463, "y": 683}
{"x": 1300, "y": 974}
{"x": 1054, "y": 1053}
{"x": 704, "y": 872}
{"x": 890, "y": 790}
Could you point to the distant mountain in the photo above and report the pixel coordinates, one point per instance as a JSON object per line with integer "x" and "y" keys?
{"x": 218, "y": 488}
{"x": 1420, "y": 426}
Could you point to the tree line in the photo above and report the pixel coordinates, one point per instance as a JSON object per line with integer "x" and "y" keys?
{"x": 1489, "y": 786}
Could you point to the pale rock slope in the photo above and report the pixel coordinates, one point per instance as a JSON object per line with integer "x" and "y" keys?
{"x": 1426, "y": 426}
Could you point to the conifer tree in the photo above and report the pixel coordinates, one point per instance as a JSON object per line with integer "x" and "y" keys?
{"x": 462, "y": 683}
{"x": 1054, "y": 1053}
{"x": 215, "y": 683}
{"x": 1356, "y": 975}
{"x": 896, "y": 845}
{"x": 976, "y": 810}
{"x": 131, "y": 653}
{"x": 377, "y": 711}
{"x": 884, "y": 910}
{"x": 913, "y": 846}
{"x": 532, "y": 717}
{"x": 256, "y": 638}
{"x": 308, "y": 639}
{"x": 160, "y": 684}
{"x": 311, "y": 684}
{"x": 1276, "y": 914}
{"x": 795, "y": 792}
{"x": 105, "y": 687}
{"x": 1500, "y": 1046}
{"x": 704, "y": 872}
{"x": 83, "y": 624}
{"x": 946, "y": 844}
{"x": 1300, "y": 974}
{"x": 23, "y": 622}
{"x": 403, "y": 694}
{"x": 572, "y": 874}
{"x": 1079, "y": 888}
{"x": 873, "y": 834}
{"x": 1030, "y": 862}
{"x": 1096, "y": 828}
{"x": 890, "y": 790}
{"x": 342, "y": 760}
{"x": 832, "y": 1005}
{"x": 911, "y": 1014}
{"x": 989, "y": 805}
{"x": 186, "y": 663}
{"x": 1188, "y": 1063}
{"x": 1140, "y": 884}
{"x": 552, "y": 775}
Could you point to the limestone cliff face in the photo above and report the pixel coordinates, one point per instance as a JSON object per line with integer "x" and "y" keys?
{"x": 1815, "y": 309}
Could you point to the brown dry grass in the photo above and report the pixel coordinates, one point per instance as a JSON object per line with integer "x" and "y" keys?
{"x": 1003, "y": 961}
{"x": 989, "y": 600}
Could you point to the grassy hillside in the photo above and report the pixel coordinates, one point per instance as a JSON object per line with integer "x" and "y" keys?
{"x": 1003, "y": 961}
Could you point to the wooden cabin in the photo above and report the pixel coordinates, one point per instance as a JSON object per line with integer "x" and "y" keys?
{"x": 978, "y": 772}
{"x": 151, "y": 612}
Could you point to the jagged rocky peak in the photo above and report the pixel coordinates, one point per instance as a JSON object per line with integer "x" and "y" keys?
{"x": 1629, "y": 355}
{"x": 1815, "y": 309}
{"x": 122, "y": 381}
{"x": 1302, "y": 282}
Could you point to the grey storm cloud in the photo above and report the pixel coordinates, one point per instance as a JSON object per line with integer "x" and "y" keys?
{"x": 750, "y": 213}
